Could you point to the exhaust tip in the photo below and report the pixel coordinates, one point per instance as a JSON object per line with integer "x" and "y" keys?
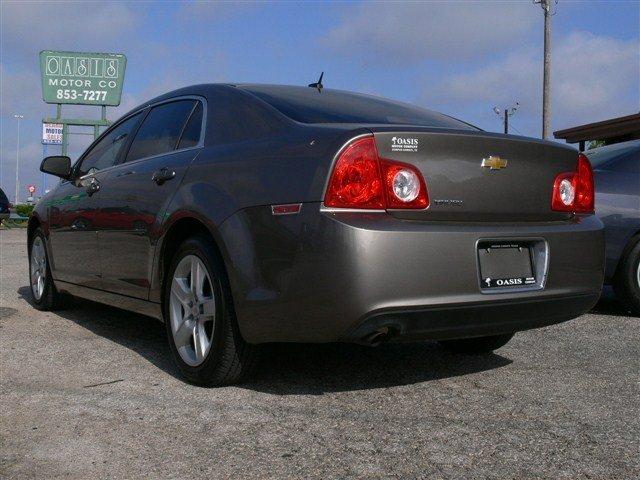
{"x": 381, "y": 335}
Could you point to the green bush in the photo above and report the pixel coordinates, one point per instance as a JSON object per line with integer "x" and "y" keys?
{"x": 24, "y": 210}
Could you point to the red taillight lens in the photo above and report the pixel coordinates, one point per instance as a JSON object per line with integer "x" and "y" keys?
{"x": 574, "y": 191}
{"x": 355, "y": 181}
{"x": 585, "y": 194}
{"x": 360, "y": 179}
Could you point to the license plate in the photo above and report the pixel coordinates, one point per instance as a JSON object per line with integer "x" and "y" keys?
{"x": 505, "y": 265}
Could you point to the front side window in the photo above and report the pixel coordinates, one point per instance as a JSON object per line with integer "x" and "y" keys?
{"x": 105, "y": 153}
{"x": 161, "y": 130}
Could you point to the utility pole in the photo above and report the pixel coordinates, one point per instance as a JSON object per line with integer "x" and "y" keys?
{"x": 505, "y": 114}
{"x": 17, "y": 117}
{"x": 546, "y": 73}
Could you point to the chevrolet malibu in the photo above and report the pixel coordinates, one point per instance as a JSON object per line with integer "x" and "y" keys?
{"x": 245, "y": 214}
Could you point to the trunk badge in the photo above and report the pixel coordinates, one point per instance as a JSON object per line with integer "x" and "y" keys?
{"x": 493, "y": 163}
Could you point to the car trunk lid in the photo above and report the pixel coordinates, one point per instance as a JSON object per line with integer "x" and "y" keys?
{"x": 479, "y": 176}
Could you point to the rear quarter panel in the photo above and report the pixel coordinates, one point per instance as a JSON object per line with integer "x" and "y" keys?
{"x": 224, "y": 179}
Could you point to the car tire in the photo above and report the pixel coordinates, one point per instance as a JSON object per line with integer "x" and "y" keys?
{"x": 478, "y": 345}
{"x": 44, "y": 295}
{"x": 225, "y": 357}
{"x": 627, "y": 280}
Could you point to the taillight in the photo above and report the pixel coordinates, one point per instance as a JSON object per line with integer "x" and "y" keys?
{"x": 405, "y": 187}
{"x": 574, "y": 191}
{"x": 361, "y": 179}
{"x": 355, "y": 181}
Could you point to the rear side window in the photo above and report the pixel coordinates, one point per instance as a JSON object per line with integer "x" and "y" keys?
{"x": 235, "y": 118}
{"x": 161, "y": 129}
{"x": 307, "y": 105}
{"x": 192, "y": 130}
{"x": 106, "y": 152}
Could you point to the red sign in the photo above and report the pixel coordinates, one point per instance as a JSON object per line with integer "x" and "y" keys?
{"x": 31, "y": 189}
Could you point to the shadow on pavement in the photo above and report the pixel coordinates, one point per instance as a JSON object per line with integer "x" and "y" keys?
{"x": 609, "y": 305}
{"x": 291, "y": 369}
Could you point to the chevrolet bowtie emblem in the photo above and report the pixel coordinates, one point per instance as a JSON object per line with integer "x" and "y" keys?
{"x": 494, "y": 163}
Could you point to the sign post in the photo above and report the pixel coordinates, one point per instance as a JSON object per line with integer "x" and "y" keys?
{"x": 79, "y": 78}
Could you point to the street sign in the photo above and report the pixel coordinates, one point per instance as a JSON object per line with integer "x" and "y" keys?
{"x": 31, "y": 189}
{"x": 52, "y": 133}
{"x": 82, "y": 78}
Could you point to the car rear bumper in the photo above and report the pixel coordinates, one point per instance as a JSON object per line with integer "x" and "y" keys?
{"x": 474, "y": 320}
{"x": 325, "y": 276}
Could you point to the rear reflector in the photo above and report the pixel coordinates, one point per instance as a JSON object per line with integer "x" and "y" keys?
{"x": 574, "y": 191}
{"x": 362, "y": 180}
{"x": 287, "y": 209}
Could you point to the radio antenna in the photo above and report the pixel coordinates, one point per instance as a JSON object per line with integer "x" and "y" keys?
{"x": 318, "y": 84}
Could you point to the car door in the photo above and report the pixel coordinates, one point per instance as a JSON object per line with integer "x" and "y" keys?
{"x": 74, "y": 210}
{"x": 138, "y": 190}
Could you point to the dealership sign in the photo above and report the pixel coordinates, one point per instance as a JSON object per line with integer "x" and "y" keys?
{"x": 52, "y": 133}
{"x": 82, "y": 78}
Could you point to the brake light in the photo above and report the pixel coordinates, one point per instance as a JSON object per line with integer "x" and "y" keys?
{"x": 362, "y": 180}
{"x": 355, "y": 181}
{"x": 574, "y": 191}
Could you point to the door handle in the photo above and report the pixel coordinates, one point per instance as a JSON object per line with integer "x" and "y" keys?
{"x": 93, "y": 187}
{"x": 163, "y": 175}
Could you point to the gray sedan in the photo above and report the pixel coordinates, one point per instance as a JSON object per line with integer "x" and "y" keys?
{"x": 246, "y": 214}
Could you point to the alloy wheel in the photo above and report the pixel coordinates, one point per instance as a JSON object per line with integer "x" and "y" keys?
{"x": 38, "y": 268}
{"x": 192, "y": 309}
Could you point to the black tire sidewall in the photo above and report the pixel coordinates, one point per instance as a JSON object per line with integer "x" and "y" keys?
{"x": 627, "y": 281}
{"x": 199, "y": 247}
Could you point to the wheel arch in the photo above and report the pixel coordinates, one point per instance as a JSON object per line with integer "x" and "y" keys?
{"x": 177, "y": 232}
{"x": 32, "y": 226}
{"x": 633, "y": 240}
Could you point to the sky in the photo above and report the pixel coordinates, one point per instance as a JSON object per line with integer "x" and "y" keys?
{"x": 458, "y": 57}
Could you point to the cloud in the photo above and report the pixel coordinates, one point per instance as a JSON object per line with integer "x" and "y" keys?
{"x": 402, "y": 33}
{"x": 592, "y": 78}
{"x": 28, "y": 27}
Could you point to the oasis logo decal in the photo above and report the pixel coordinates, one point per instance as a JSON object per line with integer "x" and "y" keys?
{"x": 508, "y": 282}
{"x": 402, "y": 144}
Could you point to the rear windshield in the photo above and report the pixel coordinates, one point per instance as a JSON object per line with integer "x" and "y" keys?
{"x": 307, "y": 105}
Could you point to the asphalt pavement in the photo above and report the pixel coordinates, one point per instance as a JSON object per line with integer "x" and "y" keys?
{"x": 91, "y": 392}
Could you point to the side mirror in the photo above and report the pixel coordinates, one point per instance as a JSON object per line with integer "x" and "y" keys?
{"x": 57, "y": 165}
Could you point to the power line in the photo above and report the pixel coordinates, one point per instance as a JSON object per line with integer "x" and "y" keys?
{"x": 514, "y": 128}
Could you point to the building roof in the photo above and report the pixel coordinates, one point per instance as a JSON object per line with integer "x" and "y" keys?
{"x": 611, "y": 131}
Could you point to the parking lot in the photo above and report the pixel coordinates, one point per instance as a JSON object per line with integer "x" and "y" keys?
{"x": 90, "y": 392}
